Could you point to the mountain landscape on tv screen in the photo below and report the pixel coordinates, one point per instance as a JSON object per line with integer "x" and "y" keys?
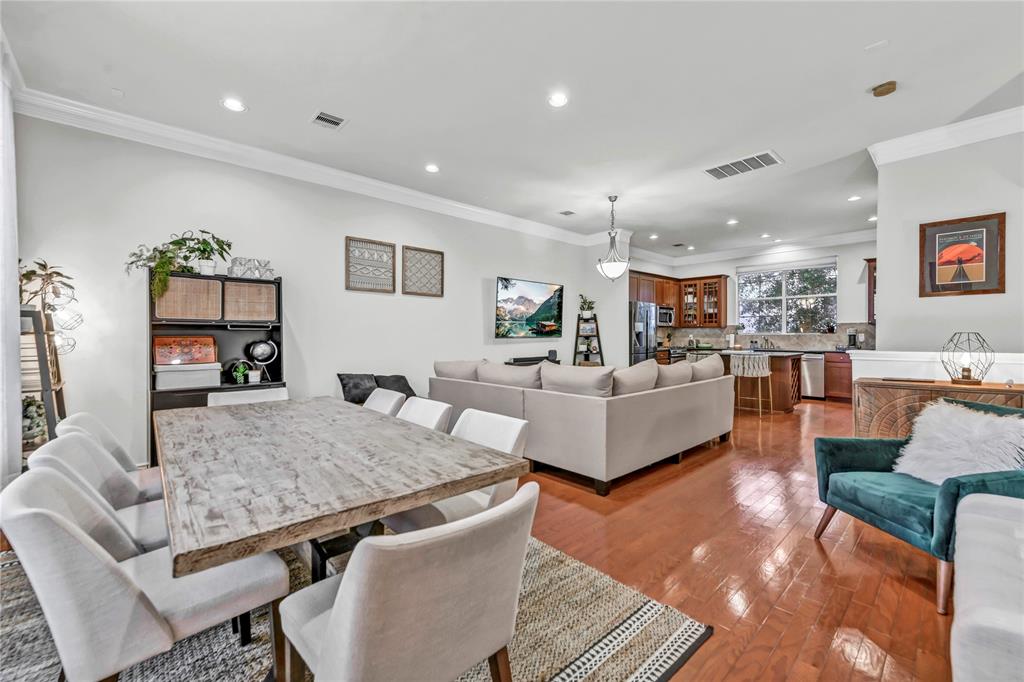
{"x": 527, "y": 309}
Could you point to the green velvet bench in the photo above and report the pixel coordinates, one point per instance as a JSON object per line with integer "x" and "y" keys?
{"x": 855, "y": 476}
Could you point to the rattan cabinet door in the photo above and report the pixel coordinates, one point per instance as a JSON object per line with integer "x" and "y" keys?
{"x": 190, "y": 298}
{"x": 250, "y": 302}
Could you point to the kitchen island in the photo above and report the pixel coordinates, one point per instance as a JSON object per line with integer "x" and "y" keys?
{"x": 785, "y": 381}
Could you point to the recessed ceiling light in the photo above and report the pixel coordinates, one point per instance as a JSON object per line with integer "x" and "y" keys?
{"x": 558, "y": 99}
{"x": 653, "y": 236}
{"x": 233, "y": 104}
{"x": 431, "y": 168}
{"x": 873, "y": 219}
{"x": 691, "y": 247}
{"x": 731, "y": 221}
{"x": 776, "y": 240}
{"x": 765, "y": 235}
{"x": 854, "y": 198}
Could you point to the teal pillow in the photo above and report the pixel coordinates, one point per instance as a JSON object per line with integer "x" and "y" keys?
{"x": 1000, "y": 410}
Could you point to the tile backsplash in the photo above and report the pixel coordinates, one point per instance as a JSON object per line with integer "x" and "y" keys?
{"x": 809, "y": 342}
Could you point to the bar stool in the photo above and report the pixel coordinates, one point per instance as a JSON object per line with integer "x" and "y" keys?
{"x": 755, "y": 366}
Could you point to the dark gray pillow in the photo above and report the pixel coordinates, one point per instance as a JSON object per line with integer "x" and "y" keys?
{"x": 357, "y": 387}
{"x": 395, "y": 382}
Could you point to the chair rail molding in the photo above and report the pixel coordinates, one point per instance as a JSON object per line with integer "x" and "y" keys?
{"x": 926, "y": 365}
{"x": 979, "y": 129}
{"x": 41, "y": 105}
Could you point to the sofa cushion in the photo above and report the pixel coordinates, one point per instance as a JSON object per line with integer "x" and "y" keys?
{"x": 595, "y": 381}
{"x": 508, "y": 375}
{"x": 356, "y": 388}
{"x": 1000, "y": 410}
{"x": 709, "y": 368}
{"x": 395, "y": 382}
{"x": 896, "y": 498}
{"x": 456, "y": 369}
{"x": 674, "y": 374}
{"x": 640, "y": 377}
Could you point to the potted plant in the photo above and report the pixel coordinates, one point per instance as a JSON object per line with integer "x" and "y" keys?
{"x": 240, "y": 371}
{"x": 177, "y": 255}
{"x": 586, "y": 307}
{"x": 33, "y": 418}
{"x": 45, "y": 284}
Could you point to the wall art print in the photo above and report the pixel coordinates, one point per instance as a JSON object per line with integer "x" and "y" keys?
{"x": 369, "y": 265}
{"x": 422, "y": 272}
{"x": 963, "y": 256}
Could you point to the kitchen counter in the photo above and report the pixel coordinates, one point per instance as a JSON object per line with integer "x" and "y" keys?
{"x": 784, "y": 380}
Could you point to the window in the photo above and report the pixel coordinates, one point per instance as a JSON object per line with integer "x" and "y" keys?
{"x": 794, "y": 300}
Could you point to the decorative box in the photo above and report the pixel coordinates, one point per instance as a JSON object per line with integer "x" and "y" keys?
{"x": 203, "y": 375}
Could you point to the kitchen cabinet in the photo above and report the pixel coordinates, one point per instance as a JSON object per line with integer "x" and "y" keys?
{"x": 703, "y": 302}
{"x": 643, "y": 288}
{"x": 688, "y": 313}
{"x": 668, "y": 292}
{"x": 838, "y": 376}
{"x": 872, "y": 287}
{"x": 634, "y": 284}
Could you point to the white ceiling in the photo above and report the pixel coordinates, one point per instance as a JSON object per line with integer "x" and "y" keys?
{"x": 658, "y": 92}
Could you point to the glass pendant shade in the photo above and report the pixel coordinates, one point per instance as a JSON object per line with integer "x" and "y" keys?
{"x": 612, "y": 266}
{"x": 967, "y": 357}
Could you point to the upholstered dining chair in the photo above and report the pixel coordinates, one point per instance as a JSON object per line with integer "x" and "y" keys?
{"x": 385, "y": 401}
{"x": 496, "y": 431}
{"x": 81, "y": 460}
{"x": 427, "y": 605}
{"x": 256, "y": 395}
{"x": 109, "y": 606}
{"x": 432, "y": 414}
{"x": 147, "y": 478}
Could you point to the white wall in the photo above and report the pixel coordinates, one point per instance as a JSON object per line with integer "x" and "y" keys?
{"x": 976, "y": 179}
{"x": 86, "y": 199}
{"x": 852, "y": 297}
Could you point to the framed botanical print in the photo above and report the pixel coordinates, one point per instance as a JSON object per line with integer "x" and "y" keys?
{"x": 369, "y": 265}
{"x": 422, "y": 272}
{"x": 963, "y": 256}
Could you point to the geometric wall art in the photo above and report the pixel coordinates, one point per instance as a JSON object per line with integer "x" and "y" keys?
{"x": 369, "y": 265}
{"x": 422, "y": 271}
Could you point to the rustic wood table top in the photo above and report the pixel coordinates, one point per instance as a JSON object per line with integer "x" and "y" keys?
{"x": 240, "y": 480}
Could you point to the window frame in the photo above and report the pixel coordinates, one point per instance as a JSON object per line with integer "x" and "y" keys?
{"x": 783, "y": 269}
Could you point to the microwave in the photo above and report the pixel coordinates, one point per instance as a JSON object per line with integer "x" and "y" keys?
{"x": 666, "y": 316}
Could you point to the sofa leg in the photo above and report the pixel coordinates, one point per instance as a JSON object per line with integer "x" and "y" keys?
{"x": 943, "y": 586}
{"x": 602, "y": 488}
{"x": 826, "y": 517}
{"x": 724, "y": 438}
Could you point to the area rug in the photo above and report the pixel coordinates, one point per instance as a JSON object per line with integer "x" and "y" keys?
{"x": 574, "y": 623}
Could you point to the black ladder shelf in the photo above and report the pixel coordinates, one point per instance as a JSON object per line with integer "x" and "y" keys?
{"x": 588, "y": 357}
{"x": 40, "y": 370}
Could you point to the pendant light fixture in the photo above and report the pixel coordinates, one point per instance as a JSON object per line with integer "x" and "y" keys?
{"x": 612, "y": 266}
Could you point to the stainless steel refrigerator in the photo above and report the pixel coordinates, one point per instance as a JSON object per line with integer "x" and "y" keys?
{"x": 643, "y": 342}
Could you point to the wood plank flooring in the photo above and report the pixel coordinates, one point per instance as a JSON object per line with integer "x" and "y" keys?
{"x": 727, "y": 537}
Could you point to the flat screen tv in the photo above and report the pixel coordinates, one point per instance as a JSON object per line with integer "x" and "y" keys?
{"x": 527, "y": 310}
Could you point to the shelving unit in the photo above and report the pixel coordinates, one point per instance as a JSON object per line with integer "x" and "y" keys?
{"x": 588, "y": 358}
{"x": 40, "y": 369}
{"x": 235, "y": 312}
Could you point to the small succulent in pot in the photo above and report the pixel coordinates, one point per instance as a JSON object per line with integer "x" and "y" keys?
{"x": 240, "y": 371}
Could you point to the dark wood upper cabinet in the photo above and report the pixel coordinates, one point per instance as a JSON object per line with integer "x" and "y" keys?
{"x": 668, "y": 292}
{"x": 647, "y": 290}
{"x": 872, "y": 287}
{"x": 698, "y": 302}
{"x": 634, "y": 286}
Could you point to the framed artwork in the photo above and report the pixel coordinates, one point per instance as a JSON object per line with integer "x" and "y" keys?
{"x": 369, "y": 265}
{"x": 963, "y": 256}
{"x": 422, "y": 272}
{"x": 588, "y": 329}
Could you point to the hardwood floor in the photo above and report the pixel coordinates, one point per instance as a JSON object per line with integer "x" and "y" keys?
{"x": 727, "y": 537}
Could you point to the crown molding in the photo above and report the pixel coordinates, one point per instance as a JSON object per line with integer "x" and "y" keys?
{"x": 990, "y": 126}
{"x": 9, "y": 71}
{"x": 36, "y": 104}
{"x": 651, "y": 256}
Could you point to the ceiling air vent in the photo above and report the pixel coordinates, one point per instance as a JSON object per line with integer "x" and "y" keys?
{"x": 567, "y": 213}
{"x": 330, "y": 121}
{"x": 727, "y": 170}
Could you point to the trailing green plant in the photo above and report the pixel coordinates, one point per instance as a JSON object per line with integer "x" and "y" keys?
{"x": 176, "y": 255}
{"x": 586, "y": 304}
{"x": 43, "y": 282}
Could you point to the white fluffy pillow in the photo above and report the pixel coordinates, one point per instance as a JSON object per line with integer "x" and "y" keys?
{"x": 951, "y": 440}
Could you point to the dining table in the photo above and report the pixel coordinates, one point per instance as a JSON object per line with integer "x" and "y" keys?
{"x": 240, "y": 480}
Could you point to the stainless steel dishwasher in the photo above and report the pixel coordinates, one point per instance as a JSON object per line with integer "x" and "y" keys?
{"x": 812, "y": 375}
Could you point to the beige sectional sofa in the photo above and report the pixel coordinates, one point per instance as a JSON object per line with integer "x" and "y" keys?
{"x": 597, "y": 436}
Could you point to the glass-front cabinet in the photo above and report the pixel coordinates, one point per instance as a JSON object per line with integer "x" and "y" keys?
{"x": 689, "y": 314}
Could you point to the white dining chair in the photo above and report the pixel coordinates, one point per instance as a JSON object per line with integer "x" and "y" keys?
{"x": 236, "y": 397}
{"x": 432, "y": 414}
{"x": 427, "y": 605}
{"x": 147, "y": 478}
{"x": 385, "y": 401}
{"x": 81, "y": 460}
{"x": 109, "y": 606}
{"x": 496, "y": 431}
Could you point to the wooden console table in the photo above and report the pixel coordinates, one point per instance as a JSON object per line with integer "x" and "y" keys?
{"x": 886, "y": 409}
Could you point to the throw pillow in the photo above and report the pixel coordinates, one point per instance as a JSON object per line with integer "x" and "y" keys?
{"x": 356, "y": 388}
{"x": 674, "y": 374}
{"x": 508, "y": 375}
{"x": 709, "y": 368}
{"x": 595, "y": 381}
{"x": 1001, "y": 410}
{"x": 395, "y": 382}
{"x": 456, "y": 369}
{"x": 640, "y": 377}
{"x": 952, "y": 440}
